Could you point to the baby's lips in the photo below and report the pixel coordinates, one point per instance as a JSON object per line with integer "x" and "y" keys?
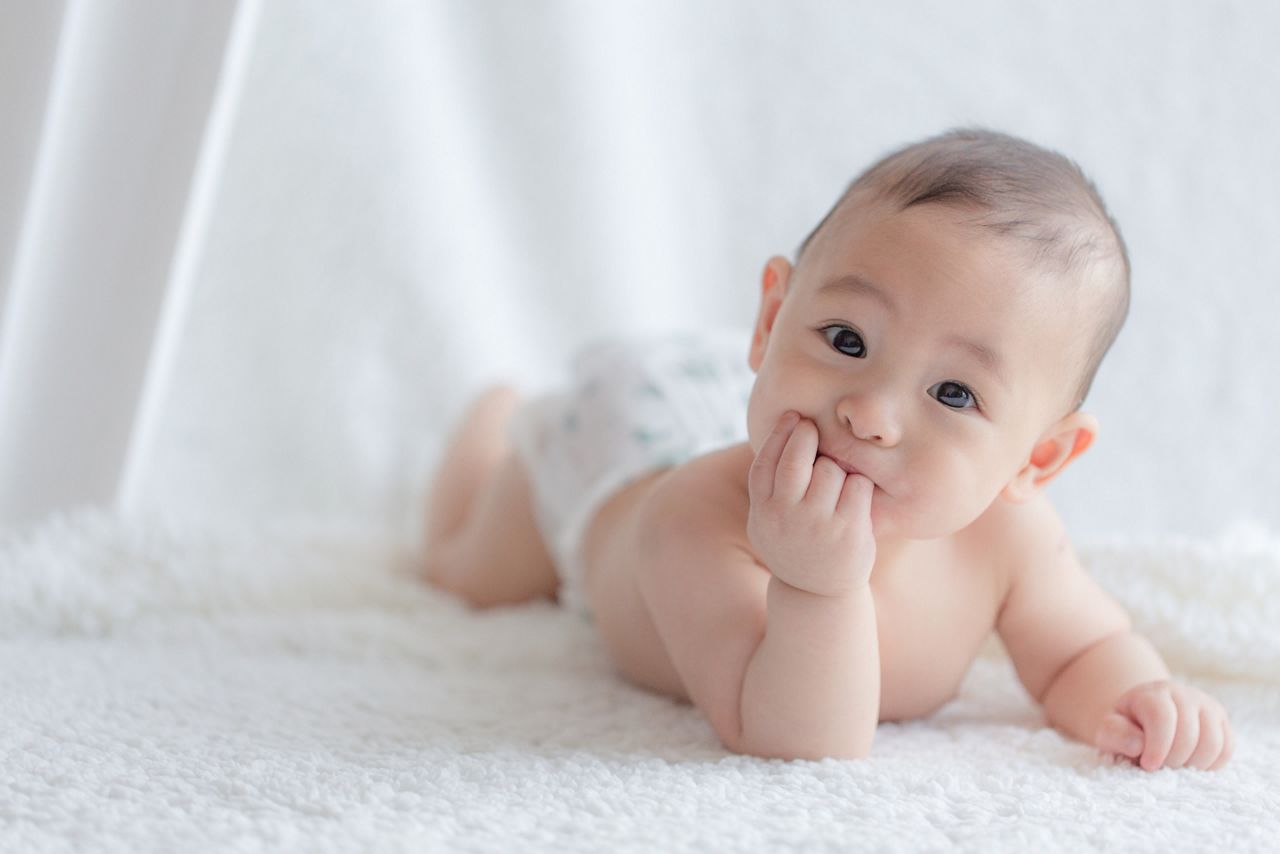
{"x": 848, "y": 468}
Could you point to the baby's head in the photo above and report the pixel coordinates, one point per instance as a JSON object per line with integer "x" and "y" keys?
{"x": 942, "y": 326}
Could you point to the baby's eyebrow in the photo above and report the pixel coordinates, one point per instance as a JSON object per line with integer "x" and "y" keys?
{"x": 852, "y": 283}
{"x": 988, "y": 358}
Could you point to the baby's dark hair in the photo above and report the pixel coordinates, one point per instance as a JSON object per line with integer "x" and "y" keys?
{"x": 1022, "y": 191}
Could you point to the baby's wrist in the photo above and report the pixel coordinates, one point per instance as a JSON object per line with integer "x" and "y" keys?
{"x": 833, "y": 580}
{"x": 803, "y": 596}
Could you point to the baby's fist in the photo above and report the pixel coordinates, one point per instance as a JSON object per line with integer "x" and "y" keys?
{"x": 1167, "y": 724}
{"x": 810, "y": 521}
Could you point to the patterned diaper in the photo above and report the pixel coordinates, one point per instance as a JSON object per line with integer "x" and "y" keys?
{"x": 633, "y": 404}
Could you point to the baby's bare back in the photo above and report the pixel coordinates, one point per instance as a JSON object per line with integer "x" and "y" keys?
{"x": 935, "y": 605}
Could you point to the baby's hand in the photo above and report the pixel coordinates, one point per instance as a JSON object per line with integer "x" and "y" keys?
{"x": 1167, "y": 724}
{"x": 809, "y": 522}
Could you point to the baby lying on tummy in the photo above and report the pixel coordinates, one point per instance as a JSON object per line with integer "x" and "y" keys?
{"x": 838, "y": 556}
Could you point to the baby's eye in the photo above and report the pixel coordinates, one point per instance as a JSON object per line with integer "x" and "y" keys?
{"x": 845, "y": 340}
{"x": 954, "y": 395}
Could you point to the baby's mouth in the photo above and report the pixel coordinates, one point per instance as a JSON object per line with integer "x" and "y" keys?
{"x": 849, "y": 468}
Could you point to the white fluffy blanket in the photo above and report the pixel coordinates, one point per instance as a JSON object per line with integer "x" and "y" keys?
{"x": 166, "y": 687}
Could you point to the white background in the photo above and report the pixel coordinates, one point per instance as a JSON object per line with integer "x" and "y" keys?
{"x": 417, "y": 199}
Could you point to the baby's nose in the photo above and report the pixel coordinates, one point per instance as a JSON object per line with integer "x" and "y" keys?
{"x": 869, "y": 418}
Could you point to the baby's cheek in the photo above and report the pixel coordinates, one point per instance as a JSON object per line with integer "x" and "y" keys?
{"x": 754, "y": 438}
{"x": 914, "y": 514}
{"x": 884, "y": 514}
{"x": 757, "y": 431}
{"x": 877, "y": 510}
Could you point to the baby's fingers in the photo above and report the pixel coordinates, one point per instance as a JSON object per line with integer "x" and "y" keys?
{"x": 760, "y": 478}
{"x": 1188, "y": 731}
{"x": 1119, "y": 735}
{"x": 1151, "y": 706}
{"x": 1212, "y": 740}
{"x": 1200, "y": 735}
{"x": 825, "y": 484}
{"x": 1228, "y": 746}
{"x": 795, "y": 466}
{"x": 855, "y": 497}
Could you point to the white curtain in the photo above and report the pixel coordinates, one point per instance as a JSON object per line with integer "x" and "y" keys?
{"x": 255, "y": 258}
{"x": 116, "y": 115}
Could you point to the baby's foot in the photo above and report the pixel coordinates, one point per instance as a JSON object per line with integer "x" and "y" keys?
{"x": 472, "y": 455}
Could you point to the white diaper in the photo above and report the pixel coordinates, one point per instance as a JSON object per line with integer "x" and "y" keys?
{"x": 633, "y": 404}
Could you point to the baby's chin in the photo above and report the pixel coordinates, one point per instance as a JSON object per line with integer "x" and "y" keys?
{"x": 893, "y": 520}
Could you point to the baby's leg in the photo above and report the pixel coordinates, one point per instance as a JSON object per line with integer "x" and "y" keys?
{"x": 481, "y": 540}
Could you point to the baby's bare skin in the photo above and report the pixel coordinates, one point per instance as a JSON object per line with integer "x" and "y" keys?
{"x": 930, "y": 368}
{"x": 935, "y": 604}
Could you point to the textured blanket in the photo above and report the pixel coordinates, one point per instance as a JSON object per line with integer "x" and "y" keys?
{"x": 172, "y": 687}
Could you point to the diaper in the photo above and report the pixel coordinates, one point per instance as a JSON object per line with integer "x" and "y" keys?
{"x": 632, "y": 405}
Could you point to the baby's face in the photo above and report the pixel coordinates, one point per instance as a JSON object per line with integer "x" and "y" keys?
{"x": 866, "y": 339}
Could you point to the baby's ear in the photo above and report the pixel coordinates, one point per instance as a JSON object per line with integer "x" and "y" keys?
{"x": 1063, "y": 442}
{"x": 777, "y": 275}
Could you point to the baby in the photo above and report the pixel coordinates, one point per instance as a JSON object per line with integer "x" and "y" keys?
{"x": 825, "y": 541}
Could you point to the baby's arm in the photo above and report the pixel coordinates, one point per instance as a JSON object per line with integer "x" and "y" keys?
{"x": 781, "y": 668}
{"x": 1074, "y": 650}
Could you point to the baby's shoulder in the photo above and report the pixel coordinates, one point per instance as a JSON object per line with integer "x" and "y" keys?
{"x": 1014, "y": 535}
{"x": 708, "y": 492}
